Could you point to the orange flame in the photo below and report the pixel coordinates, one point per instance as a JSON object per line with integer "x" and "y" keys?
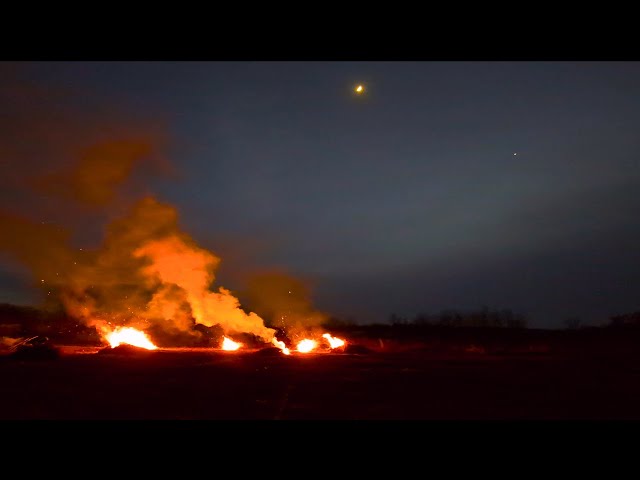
{"x": 280, "y": 344}
{"x": 306, "y": 345}
{"x": 228, "y": 344}
{"x": 130, "y": 336}
{"x": 334, "y": 342}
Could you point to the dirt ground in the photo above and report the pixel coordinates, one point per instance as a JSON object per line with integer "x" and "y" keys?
{"x": 413, "y": 384}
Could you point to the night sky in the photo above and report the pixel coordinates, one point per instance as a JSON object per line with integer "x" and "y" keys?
{"x": 446, "y": 185}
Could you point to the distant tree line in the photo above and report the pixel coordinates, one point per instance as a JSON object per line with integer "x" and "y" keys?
{"x": 628, "y": 320}
{"x": 484, "y": 317}
{"x": 625, "y": 320}
{"x": 20, "y": 319}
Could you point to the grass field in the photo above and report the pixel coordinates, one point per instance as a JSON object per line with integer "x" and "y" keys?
{"x": 410, "y": 383}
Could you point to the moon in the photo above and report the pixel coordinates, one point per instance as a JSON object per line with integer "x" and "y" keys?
{"x": 359, "y": 89}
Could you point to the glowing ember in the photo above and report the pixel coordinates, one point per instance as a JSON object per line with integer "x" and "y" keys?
{"x": 130, "y": 336}
{"x": 306, "y": 345}
{"x": 228, "y": 344}
{"x": 280, "y": 344}
{"x": 333, "y": 341}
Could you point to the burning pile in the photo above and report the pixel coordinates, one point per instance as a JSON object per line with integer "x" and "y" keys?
{"x": 230, "y": 345}
{"x": 146, "y": 283}
{"x": 307, "y": 345}
{"x": 137, "y": 338}
{"x": 148, "y": 276}
{"x": 129, "y": 336}
{"x": 281, "y": 345}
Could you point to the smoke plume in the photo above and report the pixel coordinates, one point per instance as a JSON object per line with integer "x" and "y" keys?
{"x": 147, "y": 268}
{"x": 285, "y": 302}
{"x": 100, "y": 170}
{"x": 145, "y": 271}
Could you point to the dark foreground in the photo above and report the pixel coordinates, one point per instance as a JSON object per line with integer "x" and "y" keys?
{"x": 411, "y": 384}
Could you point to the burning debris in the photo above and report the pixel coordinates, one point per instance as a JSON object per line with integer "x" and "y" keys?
{"x": 306, "y": 345}
{"x": 129, "y": 336}
{"x": 230, "y": 345}
{"x": 329, "y": 342}
{"x": 281, "y": 345}
{"x": 128, "y": 339}
{"x": 333, "y": 341}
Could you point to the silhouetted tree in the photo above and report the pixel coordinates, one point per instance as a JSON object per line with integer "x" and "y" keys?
{"x": 572, "y": 323}
{"x": 397, "y": 320}
{"x": 422, "y": 319}
{"x": 625, "y": 320}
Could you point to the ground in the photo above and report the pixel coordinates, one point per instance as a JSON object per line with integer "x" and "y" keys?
{"x": 420, "y": 382}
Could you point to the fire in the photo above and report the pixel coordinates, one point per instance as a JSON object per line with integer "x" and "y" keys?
{"x": 306, "y": 345}
{"x": 130, "y": 336}
{"x": 228, "y": 344}
{"x": 334, "y": 342}
{"x": 280, "y": 344}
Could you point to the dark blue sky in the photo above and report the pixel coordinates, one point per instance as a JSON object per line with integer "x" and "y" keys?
{"x": 409, "y": 198}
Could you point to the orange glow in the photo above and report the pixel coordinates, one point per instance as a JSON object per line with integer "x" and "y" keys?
{"x": 280, "y": 344}
{"x": 334, "y": 342}
{"x": 130, "y": 336}
{"x": 306, "y": 345}
{"x": 228, "y": 344}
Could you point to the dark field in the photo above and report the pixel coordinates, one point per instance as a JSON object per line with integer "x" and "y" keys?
{"x": 564, "y": 376}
